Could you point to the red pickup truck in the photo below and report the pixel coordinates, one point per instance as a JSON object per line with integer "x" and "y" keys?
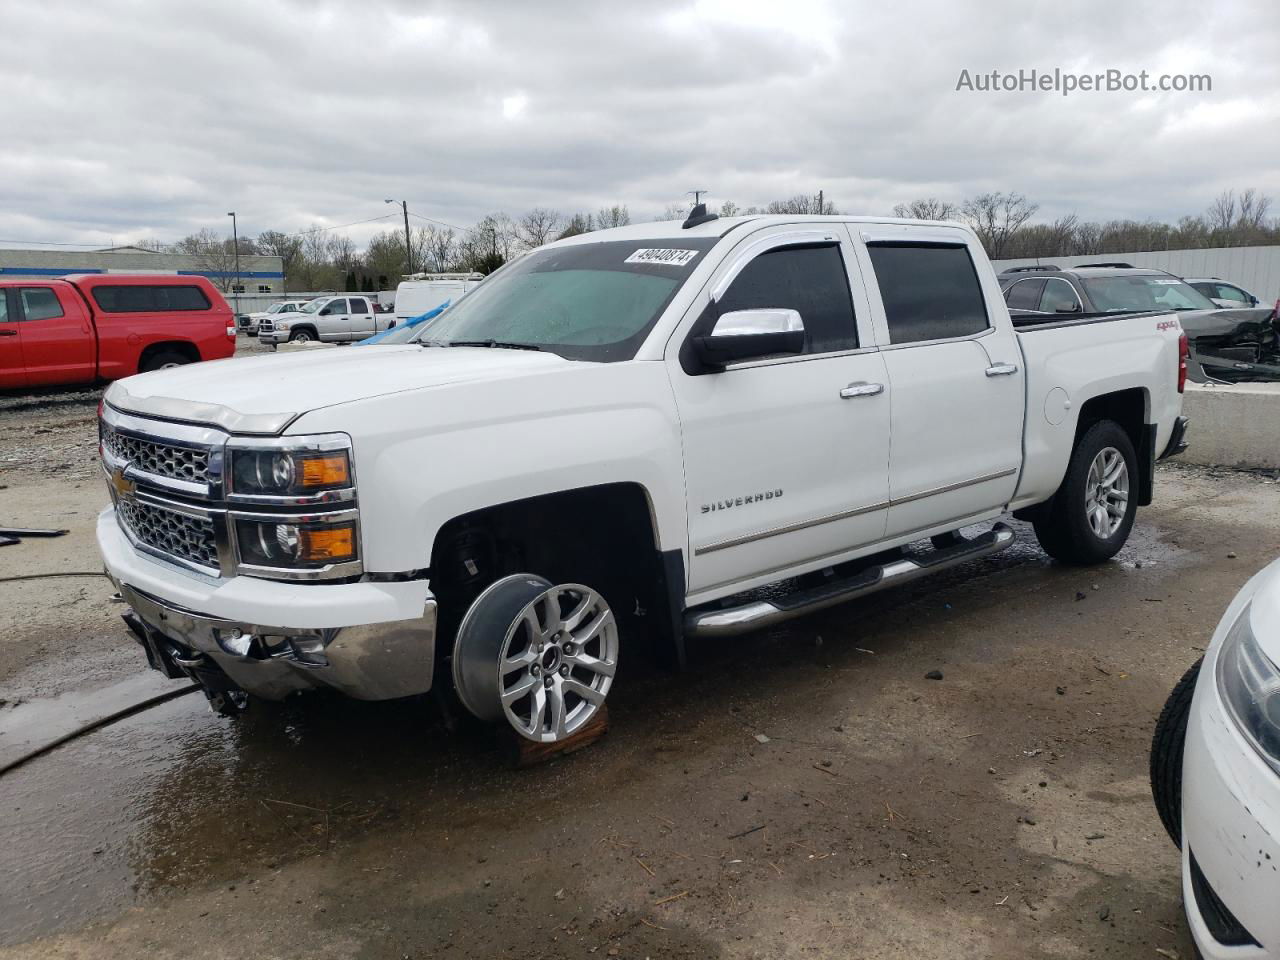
{"x": 90, "y": 327}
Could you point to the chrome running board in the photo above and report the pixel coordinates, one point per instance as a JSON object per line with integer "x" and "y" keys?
{"x": 730, "y": 621}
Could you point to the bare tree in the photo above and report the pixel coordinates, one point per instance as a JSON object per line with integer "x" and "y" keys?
{"x": 1221, "y": 214}
{"x": 287, "y": 248}
{"x": 614, "y": 216}
{"x": 214, "y": 254}
{"x": 439, "y": 246}
{"x": 995, "y": 217}
{"x": 577, "y": 224}
{"x": 929, "y": 208}
{"x": 803, "y": 204}
{"x": 539, "y": 226}
{"x": 341, "y": 252}
{"x": 673, "y": 211}
{"x": 729, "y": 209}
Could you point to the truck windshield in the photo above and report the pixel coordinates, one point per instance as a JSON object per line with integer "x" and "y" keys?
{"x": 1116, "y": 294}
{"x": 590, "y": 301}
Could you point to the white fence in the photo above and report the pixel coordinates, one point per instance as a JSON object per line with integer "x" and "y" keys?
{"x": 1257, "y": 269}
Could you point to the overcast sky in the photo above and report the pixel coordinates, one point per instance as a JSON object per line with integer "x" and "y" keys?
{"x": 133, "y": 120}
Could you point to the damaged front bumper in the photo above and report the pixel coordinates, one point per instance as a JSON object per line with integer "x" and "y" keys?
{"x": 269, "y": 639}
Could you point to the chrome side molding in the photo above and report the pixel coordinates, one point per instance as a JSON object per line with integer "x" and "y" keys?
{"x": 731, "y": 621}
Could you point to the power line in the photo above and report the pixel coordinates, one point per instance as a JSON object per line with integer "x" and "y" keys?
{"x": 451, "y": 226}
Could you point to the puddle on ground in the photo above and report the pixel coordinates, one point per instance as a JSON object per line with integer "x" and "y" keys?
{"x": 174, "y": 798}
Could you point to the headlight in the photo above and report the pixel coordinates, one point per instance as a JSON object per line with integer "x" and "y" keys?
{"x": 298, "y": 472}
{"x": 302, "y": 543}
{"x": 1250, "y": 686}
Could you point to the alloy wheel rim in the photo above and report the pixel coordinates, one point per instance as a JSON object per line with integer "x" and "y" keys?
{"x": 1106, "y": 496}
{"x": 558, "y": 662}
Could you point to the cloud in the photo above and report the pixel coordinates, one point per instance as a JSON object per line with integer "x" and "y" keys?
{"x": 137, "y": 119}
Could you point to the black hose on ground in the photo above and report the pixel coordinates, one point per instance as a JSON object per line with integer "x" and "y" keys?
{"x": 41, "y": 576}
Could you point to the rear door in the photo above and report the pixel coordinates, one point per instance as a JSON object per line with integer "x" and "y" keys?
{"x": 58, "y": 342}
{"x": 362, "y": 320}
{"x": 13, "y": 369}
{"x": 1024, "y": 294}
{"x": 956, "y": 377}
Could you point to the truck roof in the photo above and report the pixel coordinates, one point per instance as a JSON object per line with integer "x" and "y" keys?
{"x": 669, "y": 229}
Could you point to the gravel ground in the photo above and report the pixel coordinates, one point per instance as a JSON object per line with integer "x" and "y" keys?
{"x": 804, "y": 792}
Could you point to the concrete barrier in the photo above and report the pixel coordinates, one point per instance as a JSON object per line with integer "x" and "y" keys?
{"x": 1235, "y": 425}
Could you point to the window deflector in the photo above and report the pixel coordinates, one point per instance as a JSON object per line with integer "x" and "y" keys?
{"x": 750, "y": 251}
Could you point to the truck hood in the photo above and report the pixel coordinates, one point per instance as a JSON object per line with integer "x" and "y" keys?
{"x": 1221, "y": 323}
{"x": 263, "y": 395}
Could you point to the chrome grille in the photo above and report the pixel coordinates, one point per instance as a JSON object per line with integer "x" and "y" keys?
{"x": 190, "y": 538}
{"x": 158, "y": 459}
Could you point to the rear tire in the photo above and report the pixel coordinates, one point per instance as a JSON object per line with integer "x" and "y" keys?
{"x": 1166, "y": 753}
{"x": 163, "y": 360}
{"x": 1090, "y": 517}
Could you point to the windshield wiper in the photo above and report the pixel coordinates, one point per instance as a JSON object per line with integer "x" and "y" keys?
{"x": 431, "y": 343}
{"x": 494, "y": 344}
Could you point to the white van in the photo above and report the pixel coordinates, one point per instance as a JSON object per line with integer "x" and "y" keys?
{"x": 421, "y": 292}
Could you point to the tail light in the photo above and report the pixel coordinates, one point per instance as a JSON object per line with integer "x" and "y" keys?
{"x": 1184, "y": 354}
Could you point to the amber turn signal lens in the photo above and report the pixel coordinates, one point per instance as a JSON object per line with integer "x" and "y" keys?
{"x": 325, "y": 470}
{"x": 333, "y": 544}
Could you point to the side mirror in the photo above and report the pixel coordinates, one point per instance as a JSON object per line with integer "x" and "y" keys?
{"x": 750, "y": 334}
{"x": 1253, "y": 301}
{"x": 1074, "y": 308}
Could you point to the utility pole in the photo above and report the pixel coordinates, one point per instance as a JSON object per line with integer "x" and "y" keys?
{"x": 820, "y": 207}
{"x": 235, "y": 245}
{"x": 408, "y": 246}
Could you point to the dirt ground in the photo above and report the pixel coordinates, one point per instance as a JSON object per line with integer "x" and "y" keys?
{"x": 804, "y": 792}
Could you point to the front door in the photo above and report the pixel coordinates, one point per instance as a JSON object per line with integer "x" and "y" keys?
{"x": 785, "y": 464}
{"x": 58, "y": 342}
{"x": 13, "y": 369}
{"x": 333, "y": 321}
{"x": 957, "y": 380}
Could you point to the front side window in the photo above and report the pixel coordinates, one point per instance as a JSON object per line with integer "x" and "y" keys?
{"x": 1024, "y": 295}
{"x": 810, "y": 280}
{"x": 1122, "y": 294}
{"x": 1059, "y": 297}
{"x": 39, "y": 303}
{"x": 158, "y": 298}
{"x": 587, "y": 301}
{"x": 930, "y": 291}
{"x": 335, "y": 308}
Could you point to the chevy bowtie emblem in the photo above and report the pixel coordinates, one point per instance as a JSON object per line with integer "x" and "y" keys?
{"x": 122, "y": 485}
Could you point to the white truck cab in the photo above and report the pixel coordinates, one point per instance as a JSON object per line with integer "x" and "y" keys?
{"x": 606, "y": 447}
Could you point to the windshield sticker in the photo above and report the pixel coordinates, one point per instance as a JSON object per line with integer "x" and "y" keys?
{"x": 666, "y": 258}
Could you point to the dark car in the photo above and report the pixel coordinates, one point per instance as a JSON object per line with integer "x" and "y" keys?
{"x": 1227, "y": 345}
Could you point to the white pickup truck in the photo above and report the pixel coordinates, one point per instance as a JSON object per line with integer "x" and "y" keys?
{"x": 340, "y": 319}
{"x": 608, "y": 447}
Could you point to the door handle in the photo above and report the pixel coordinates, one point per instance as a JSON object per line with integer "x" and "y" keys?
{"x": 1002, "y": 369}
{"x": 861, "y": 388}
{"x": 8, "y": 333}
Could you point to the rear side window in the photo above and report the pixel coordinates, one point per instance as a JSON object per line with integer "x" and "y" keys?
{"x": 1024, "y": 295}
{"x": 158, "y": 298}
{"x": 930, "y": 291}
{"x": 810, "y": 280}
{"x": 39, "y": 303}
{"x": 359, "y": 305}
{"x": 1060, "y": 297}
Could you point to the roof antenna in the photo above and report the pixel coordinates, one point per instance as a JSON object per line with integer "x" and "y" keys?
{"x": 698, "y": 215}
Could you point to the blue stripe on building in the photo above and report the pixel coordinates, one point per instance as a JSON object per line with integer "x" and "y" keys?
{"x": 231, "y": 274}
{"x": 48, "y": 271}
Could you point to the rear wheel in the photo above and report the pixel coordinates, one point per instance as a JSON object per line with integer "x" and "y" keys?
{"x": 1090, "y": 517}
{"x": 163, "y": 360}
{"x": 1166, "y": 753}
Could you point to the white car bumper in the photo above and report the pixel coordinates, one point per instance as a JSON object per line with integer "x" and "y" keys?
{"x": 1230, "y": 829}
{"x": 371, "y": 641}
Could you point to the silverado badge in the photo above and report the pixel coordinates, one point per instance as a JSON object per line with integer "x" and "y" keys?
{"x": 741, "y": 501}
